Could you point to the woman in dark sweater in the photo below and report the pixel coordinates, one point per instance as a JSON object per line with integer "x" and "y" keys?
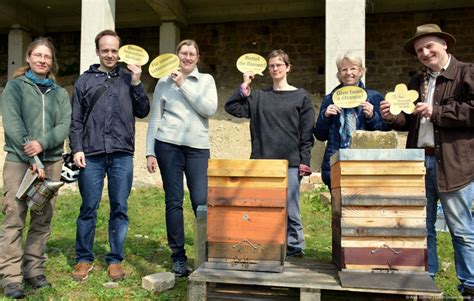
{"x": 281, "y": 125}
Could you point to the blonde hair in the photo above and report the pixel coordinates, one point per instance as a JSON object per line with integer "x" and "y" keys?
{"x": 41, "y": 41}
{"x": 188, "y": 42}
{"x": 353, "y": 59}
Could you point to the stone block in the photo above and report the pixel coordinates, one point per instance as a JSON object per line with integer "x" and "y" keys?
{"x": 315, "y": 178}
{"x": 373, "y": 139}
{"x": 158, "y": 282}
{"x": 325, "y": 197}
{"x": 305, "y": 187}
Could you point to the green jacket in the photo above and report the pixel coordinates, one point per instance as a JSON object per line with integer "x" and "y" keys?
{"x": 42, "y": 117}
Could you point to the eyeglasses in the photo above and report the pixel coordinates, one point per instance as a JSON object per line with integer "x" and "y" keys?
{"x": 39, "y": 56}
{"x": 185, "y": 54}
{"x": 278, "y": 66}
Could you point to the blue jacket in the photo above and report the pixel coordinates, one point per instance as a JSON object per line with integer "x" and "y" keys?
{"x": 327, "y": 129}
{"x": 111, "y": 124}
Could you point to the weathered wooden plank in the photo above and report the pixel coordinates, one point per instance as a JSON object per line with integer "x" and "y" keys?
{"x": 381, "y": 168}
{"x": 200, "y": 225}
{"x": 387, "y": 257}
{"x": 377, "y": 242}
{"x": 292, "y": 276}
{"x": 385, "y": 222}
{"x": 383, "y": 212}
{"x": 338, "y": 180}
{"x": 400, "y": 281}
{"x": 197, "y": 290}
{"x": 248, "y": 168}
{"x": 243, "y": 182}
{"x": 380, "y": 189}
{"x": 249, "y": 197}
{"x": 244, "y": 265}
{"x": 245, "y": 251}
{"x": 309, "y": 294}
{"x": 236, "y": 224}
{"x": 381, "y": 200}
{"x": 220, "y": 291}
{"x": 378, "y": 155}
{"x": 366, "y": 231}
{"x": 368, "y": 267}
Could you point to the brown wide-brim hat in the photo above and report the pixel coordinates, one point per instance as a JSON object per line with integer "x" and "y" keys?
{"x": 428, "y": 30}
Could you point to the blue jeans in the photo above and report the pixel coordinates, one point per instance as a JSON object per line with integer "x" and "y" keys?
{"x": 295, "y": 236}
{"x": 432, "y": 196}
{"x": 174, "y": 160}
{"x": 119, "y": 170}
{"x": 457, "y": 206}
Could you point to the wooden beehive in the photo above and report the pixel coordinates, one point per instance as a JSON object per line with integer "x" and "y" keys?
{"x": 379, "y": 209}
{"x": 246, "y": 215}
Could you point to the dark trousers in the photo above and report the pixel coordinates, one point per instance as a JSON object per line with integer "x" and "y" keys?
{"x": 174, "y": 161}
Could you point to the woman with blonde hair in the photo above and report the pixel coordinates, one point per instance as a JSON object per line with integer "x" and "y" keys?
{"x": 336, "y": 125}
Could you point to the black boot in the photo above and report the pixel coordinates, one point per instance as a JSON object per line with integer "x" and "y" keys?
{"x": 14, "y": 290}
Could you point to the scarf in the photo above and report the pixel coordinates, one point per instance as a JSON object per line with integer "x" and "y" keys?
{"x": 38, "y": 81}
{"x": 348, "y": 120}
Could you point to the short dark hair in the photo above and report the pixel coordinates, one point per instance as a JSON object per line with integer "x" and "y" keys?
{"x": 280, "y": 53}
{"x": 106, "y": 32}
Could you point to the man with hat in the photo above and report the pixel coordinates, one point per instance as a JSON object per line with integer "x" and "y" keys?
{"x": 442, "y": 124}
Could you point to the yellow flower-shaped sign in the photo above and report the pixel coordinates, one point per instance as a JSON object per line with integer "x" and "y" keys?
{"x": 349, "y": 97}
{"x": 163, "y": 65}
{"x": 134, "y": 55}
{"x": 401, "y": 99}
{"x": 251, "y": 62}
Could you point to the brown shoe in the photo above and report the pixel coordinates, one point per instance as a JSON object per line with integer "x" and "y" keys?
{"x": 81, "y": 271}
{"x": 116, "y": 272}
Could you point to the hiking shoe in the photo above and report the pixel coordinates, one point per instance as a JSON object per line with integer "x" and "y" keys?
{"x": 39, "y": 281}
{"x": 116, "y": 272}
{"x": 468, "y": 293}
{"x": 14, "y": 291}
{"x": 181, "y": 268}
{"x": 81, "y": 271}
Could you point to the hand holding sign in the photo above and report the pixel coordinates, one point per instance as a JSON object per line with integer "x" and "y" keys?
{"x": 163, "y": 65}
{"x": 401, "y": 99}
{"x": 133, "y": 55}
{"x": 349, "y": 97}
{"x": 251, "y": 62}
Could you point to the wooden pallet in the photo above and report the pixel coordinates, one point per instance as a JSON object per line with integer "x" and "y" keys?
{"x": 301, "y": 279}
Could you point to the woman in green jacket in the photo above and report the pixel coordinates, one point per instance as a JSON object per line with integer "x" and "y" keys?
{"x": 34, "y": 107}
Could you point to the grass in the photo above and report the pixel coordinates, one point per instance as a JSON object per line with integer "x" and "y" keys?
{"x": 147, "y": 252}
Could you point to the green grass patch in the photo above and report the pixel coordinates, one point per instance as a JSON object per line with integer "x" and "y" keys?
{"x": 147, "y": 251}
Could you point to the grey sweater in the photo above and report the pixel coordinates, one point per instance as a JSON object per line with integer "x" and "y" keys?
{"x": 180, "y": 115}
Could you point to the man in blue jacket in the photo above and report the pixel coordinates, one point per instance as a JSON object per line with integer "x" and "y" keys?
{"x": 102, "y": 140}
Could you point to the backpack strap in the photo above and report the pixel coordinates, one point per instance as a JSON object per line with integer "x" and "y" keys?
{"x": 98, "y": 93}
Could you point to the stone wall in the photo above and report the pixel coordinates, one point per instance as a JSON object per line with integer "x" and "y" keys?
{"x": 304, "y": 40}
{"x": 387, "y": 62}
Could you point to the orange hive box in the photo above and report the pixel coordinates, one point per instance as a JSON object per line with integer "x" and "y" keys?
{"x": 246, "y": 214}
